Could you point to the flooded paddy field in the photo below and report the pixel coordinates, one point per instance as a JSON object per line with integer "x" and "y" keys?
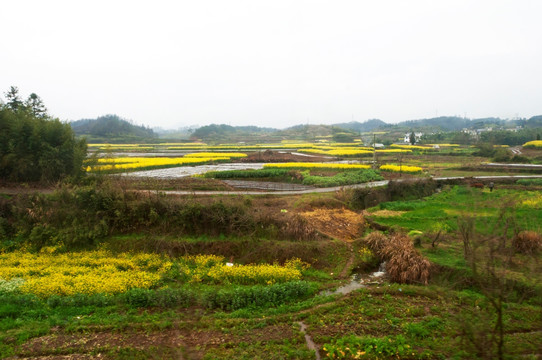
{"x": 182, "y": 171}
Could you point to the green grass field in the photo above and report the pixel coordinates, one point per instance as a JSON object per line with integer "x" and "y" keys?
{"x": 199, "y": 309}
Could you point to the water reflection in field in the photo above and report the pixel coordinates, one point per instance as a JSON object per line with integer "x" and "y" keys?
{"x": 178, "y": 172}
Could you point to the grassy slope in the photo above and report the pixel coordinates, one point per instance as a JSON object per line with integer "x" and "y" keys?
{"x": 429, "y": 319}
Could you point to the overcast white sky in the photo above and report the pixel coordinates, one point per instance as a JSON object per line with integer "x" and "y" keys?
{"x": 274, "y": 63}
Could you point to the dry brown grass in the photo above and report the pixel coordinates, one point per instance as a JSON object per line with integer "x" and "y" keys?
{"x": 376, "y": 241}
{"x": 341, "y": 224}
{"x": 297, "y": 227}
{"x": 527, "y": 242}
{"x": 404, "y": 263}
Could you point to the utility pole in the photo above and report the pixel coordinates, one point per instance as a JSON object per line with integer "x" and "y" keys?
{"x": 374, "y": 151}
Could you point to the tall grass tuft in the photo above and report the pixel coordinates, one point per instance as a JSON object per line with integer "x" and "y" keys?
{"x": 404, "y": 263}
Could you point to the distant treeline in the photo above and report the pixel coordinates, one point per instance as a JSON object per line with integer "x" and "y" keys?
{"x": 112, "y": 128}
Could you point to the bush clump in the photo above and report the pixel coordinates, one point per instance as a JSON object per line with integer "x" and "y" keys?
{"x": 527, "y": 242}
{"x": 404, "y": 264}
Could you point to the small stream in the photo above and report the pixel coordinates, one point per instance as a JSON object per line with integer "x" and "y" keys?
{"x": 308, "y": 339}
{"x": 359, "y": 281}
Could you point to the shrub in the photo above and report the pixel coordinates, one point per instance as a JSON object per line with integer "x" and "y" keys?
{"x": 404, "y": 263}
{"x": 376, "y": 241}
{"x": 502, "y": 155}
{"x": 363, "y": 198}
{"x": 519, "y": 159}
{"x": 409, "y": 190}
{"x": 527, "y": 242}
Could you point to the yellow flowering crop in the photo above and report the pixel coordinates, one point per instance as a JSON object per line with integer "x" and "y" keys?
{"x": 212, "y": 269}
{"x": 315, "y": 151}
{"x": 402, "y": 168}
{"x": 215, "y": 155}
{"x": 346, "y": 152}
{"x": 536, "y": 144}
{"x": 534, "y": 202}
{"x": 124, "y": 163}
{"x": 334, "y": 147}
{"x": 316, "y": 165}
{"x": 412, "y": 147}
{"x": 87, "y": 272}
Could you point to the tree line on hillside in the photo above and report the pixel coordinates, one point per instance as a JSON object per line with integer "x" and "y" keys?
{"x": 35, "y": 146}
{"x": 496, "y": 137}
{"x": 112, "y": 128}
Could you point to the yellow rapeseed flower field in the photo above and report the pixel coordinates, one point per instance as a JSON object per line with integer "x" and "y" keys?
{"x": 536, "y": 144}
{"x": 215, "y": 155}
{"x": 316, "y": 165}
{"x": 86, "y": 272}
{"x": 212, "y": 269}
{"x": 384, "y": 151}
{"x": 402, "y": 168}
{"x": 125, "y": 163}
{"x": 412, "y": 147}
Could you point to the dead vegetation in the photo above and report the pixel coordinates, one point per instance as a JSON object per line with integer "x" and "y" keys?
{"x": 337, "y": 223}
{"x": 527, "y": 242}
{"x": 405, "y": 264}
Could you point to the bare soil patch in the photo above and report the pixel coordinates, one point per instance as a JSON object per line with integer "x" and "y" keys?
{"x": 172, "y": 343}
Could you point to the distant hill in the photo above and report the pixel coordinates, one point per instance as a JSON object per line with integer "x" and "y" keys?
{"x": 223, "y": 132}
{"x": 442, "y": 123}
{"x": 112, "y": 128}
{"x": 534, "y": 122}
{"x": 366, "y": 126}
{"x": 312, "y": 132}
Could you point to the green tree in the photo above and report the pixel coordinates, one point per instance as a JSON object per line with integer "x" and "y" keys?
{"x": 35, "y": 147}
{"x": 14, "y": 101}
{"x": 412, "y": 138}
{"x": 36, "y": 106}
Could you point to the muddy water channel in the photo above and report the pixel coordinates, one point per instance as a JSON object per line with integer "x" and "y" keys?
{"x": 358, "y": 281}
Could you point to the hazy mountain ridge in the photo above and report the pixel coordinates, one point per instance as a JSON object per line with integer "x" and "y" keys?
{"x": 111, "y": 127}
{"x": 114, "y": 128}
{"x": 442, "y": 123}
